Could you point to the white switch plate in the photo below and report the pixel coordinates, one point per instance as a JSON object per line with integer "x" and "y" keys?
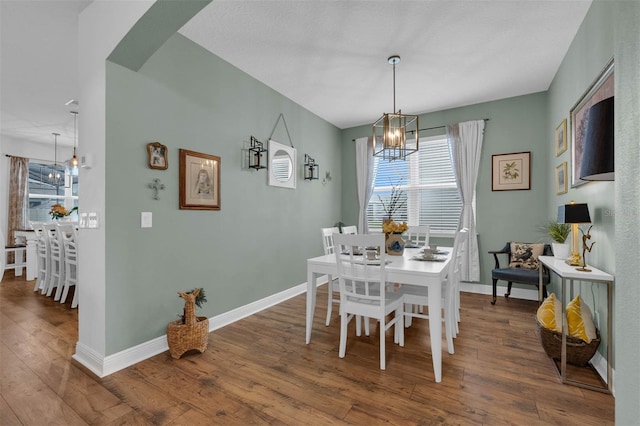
{"x": 146, "y": 219}
{"x": 92, "y": 220}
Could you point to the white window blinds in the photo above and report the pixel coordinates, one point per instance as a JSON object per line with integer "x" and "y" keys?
{"x": 429, "y": 193}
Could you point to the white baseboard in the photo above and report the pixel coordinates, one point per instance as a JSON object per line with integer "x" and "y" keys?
{"x": 102, "y": 366}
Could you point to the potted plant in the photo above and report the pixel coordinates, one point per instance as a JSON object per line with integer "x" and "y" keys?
{"x": 190, "y": 331}
{"x": 558, "y": 233}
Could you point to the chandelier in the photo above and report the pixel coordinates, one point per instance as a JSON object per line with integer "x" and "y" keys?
{"x": 390, "y": 131}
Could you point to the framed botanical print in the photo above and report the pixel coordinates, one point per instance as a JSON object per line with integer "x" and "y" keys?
{"x": 199, "y": 181}
{"x": 601, "y": 89}
{"x": 561, "y": 138}
{"x": 157, "y": 156}
{"x": 511, "y": 172}
{"x": 561, "y": 178}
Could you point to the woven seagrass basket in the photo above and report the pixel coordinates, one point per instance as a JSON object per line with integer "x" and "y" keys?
{"x": 184, "y": 337}
{"x": 579, "y": 352}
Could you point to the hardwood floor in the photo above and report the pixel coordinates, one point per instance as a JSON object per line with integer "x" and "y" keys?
{"x": 260, "y": 371}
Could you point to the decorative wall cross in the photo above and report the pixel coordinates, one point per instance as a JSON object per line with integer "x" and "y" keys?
{"x": 156, "y": 186}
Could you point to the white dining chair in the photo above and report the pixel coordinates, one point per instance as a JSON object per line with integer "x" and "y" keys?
{"x": 55, "y": 259}
{"x": 19, "y": 252}
{"x": 418, "y": 296}
{"x": 361, "y": 280}
{"x": 42, "y": 275}
{"x": 350, "y": 230}
{"x": 332, "y": 283}
{"x": 418, "y": 236}
{"x": 67, "y": 232}
{"x": 333, "y": 287}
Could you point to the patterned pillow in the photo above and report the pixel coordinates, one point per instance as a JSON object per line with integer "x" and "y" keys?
{"x": 550, "y": 314}
{"x": 579, "y": 321}
{"x": 525, "y": 255}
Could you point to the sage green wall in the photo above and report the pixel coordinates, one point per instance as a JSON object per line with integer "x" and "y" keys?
{"x": 516, "y": 124}
{"x": 627, "y": 193}
{"x": 257, "y": 244}
{"x": 589, "y": 53}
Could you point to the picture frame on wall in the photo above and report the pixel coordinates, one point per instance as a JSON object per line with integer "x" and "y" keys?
{"x": 561, "y": 138}
{"x": 157, "y": 156}
{"x": 199, "y": 181}
{"x": 511, "y": 172}
{"x": 601, "y": 89}
{"x": 561, "y": 178}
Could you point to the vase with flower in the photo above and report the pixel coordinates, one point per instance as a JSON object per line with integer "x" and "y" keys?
{"x": 58, "y": 211}
{"x": 395, "y": 243}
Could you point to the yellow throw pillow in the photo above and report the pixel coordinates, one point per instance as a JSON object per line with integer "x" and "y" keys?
{"x": 550, "y": 313}
{"x": 579, "y": 321}
{"x": 525, "y": 255}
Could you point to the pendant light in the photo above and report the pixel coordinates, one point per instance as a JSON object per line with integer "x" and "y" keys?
{"x": 54, "y": 175}
{"x": 74, "y": 159}
{"x": 390, "y": 131}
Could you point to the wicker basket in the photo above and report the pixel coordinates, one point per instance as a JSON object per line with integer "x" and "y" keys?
{"x": 184, "y": 337}
{"x": 579, "y": 352}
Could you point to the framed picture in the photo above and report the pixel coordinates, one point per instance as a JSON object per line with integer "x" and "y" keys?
{"x": 601, "y": 89}
{"x": 199, "y": 181}
{"x": 561, "y": 178}
{"x": 511, "y": 172}
{"x": 561, "y": 138}
{"x": 157, "y": 156}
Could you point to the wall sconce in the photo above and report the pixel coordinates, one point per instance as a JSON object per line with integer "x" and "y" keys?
{"x": 256, "y": 151}
{"x": 311, "y": 169}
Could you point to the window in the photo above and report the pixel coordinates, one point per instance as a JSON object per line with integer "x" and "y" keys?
{"x": 45, "y": 191}
{"x": 430, "y": 192}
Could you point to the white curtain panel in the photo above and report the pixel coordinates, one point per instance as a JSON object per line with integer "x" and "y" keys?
{"x": 365, "y": 175}
{"x": 466, "y": 143}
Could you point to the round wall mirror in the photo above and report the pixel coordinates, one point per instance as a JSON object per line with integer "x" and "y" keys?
{"x": 281, "y": 166}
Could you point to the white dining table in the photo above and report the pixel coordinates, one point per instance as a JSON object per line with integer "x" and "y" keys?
{"x": 402, "y": 270}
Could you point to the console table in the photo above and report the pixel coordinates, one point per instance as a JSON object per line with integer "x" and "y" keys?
{"x": 567, "y": 272}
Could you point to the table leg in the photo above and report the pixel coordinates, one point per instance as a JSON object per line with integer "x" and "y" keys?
{"x": 311, "y": 301}
{"x": 435, "y": 330}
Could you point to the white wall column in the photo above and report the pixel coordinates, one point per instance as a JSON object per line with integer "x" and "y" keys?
{"x": 102, "y": 25}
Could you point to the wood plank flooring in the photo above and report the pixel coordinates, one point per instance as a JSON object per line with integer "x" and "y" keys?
{"x": 260, "y": 371}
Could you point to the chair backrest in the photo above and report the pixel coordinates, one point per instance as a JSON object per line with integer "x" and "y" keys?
{"x": 418, "y": 235}
{"x": 327, "y": 239}
{"x": 352, "y": 229}
{"x": 546, "y": 251}
{"x": 55, "y": 247}
{"x": 361, "y": 279}
{"x": 459, "y": 245}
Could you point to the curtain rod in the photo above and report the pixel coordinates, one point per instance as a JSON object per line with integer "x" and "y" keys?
{"x": 430, "y": 128}
{"x": 34, "y": 159}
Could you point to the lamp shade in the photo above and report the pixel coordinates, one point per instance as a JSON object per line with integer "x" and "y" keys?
{"x": 597, "y": 151}
{"x": 574, "y": 213}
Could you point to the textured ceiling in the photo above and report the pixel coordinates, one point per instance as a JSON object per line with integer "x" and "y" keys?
{"x": 331, "y": 56}
{"x": 328, "y": 56}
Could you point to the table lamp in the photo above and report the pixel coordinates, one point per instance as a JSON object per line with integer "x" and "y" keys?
{"x": 574, "y": 214}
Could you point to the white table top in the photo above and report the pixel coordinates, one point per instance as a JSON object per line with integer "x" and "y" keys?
{"x": 399, "y": 264}
{"x": 567, "y": 271}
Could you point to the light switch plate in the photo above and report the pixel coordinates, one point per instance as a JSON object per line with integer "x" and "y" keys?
{"x": 146, "y": 219}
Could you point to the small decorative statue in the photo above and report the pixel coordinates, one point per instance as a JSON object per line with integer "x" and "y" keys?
{"x": 585, "y": 248}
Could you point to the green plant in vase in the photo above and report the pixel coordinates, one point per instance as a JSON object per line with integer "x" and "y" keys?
{"x": 558, "y": 233}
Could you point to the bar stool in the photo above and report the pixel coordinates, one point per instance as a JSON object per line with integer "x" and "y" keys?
{"x": 69, "y": 240}
{"x": 19, "y": 256}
